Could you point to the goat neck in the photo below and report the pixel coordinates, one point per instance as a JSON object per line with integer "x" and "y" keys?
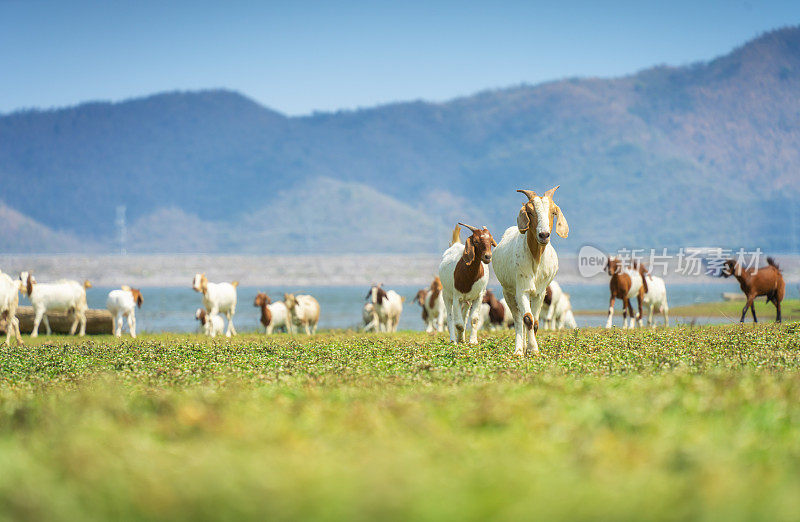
{"x": 435, "y": 290}
{"x": 266, "y": 314}
{"x": 466, "y": 274}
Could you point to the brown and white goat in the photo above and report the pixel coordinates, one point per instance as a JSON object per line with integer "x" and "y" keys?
{"x": 387, "y": 305}
{"x": 625, "y": 284}
{"x": 495, "y": 313}
{"x": 755, "y": 282}
{"x": 62, "y": 296}
{"x": 212, "y": 324}
{"x": 273, "y": 315}
{"x": 433, "y": 309}
{"x": 525, "y": 263}
{"x": 218, "y": 298}
{"x": 122, "y": 303}
{"x": 303, "y": 311}
{"x": 9, "y": 302}
{"x": 464, "y": 281}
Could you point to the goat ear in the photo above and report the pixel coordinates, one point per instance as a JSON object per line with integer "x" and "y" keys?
{"x": 494, "y": 243}
{"x": 562, "y": 227}
{"x": 469, "y": 251}
{"x": 523, "y": 221}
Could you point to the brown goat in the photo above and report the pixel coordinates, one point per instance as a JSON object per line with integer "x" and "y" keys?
{"x": 432, "y": 306}
{"x": 478, "y": 246}
{"x": 261, "y": 301}
{"x": 755, "y": 282}
{"x": 420, "y": 298}
{"x": 623, "y": 286}
{"x": 497, "y": 313}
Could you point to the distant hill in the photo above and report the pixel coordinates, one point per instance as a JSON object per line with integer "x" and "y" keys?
{"x": 706, "y": 154}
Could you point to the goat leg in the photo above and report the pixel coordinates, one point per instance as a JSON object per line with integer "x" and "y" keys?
{"x": 747, "y": 305}
{"x": 639, "y": 304}
{"x": 610, "y": 312}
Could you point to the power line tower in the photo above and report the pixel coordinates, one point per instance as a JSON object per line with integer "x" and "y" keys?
{"x": 122, "y": 230}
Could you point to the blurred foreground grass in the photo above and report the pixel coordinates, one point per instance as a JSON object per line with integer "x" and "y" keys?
{"x": 666, "y": 424}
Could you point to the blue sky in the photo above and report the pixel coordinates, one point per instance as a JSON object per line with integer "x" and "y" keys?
{"x": 297, "y": 56}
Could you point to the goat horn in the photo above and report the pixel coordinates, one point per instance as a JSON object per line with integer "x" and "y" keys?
{"x": 549, "y": 193}
{"x": 531, "y": 194}
{"x": 472, "y": 229}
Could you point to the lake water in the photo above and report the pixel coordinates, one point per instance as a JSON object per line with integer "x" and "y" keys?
{"x": 171, "y": 309}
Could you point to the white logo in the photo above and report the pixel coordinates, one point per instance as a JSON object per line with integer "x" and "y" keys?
{"x": 591, "y": 261}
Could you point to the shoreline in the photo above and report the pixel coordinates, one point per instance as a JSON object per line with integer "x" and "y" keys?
{"x": 163, "y": 270}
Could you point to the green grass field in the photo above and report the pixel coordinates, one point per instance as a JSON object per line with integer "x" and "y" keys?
{"x": 649, "y": 424}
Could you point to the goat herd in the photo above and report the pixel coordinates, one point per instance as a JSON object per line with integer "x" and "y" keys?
{"x": 524, "y": 261}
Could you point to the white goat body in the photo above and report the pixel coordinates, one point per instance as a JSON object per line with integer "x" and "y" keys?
{"x": 122, "y": 303}
{"x": 656, "y": 298}
{"x": 524, "y": 281}
{"x": 9, "y": 301}
{"x": 304, "y": 311}
{"x": 281, "y": 318}
{"x": 562, "y": 313}
{"x": 62, "y": 296}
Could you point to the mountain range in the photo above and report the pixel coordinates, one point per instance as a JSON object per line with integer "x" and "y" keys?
{"x": 672, "y": 156}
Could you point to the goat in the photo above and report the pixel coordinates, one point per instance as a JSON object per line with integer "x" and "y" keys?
{"x": 495, "y": 313}
{"x": 212, "y": 323}
{"x": 388, "y": 306}
{"x": 273, "y": 315}
{"x": 655, "y": 296}
{"x": 9, "y": 301}
{"x": 123, "y": 303}
{"x": 464, "y": 281}
{"x": 370, "y": 318}
{"x": 767, "y": 281}
{"x": 303, "y": 311}
{"x": 61, "y": 296}
{"x": 218, "y": 298}
{"x": 626, "y": 283}
{"x": 526, "y": 263}
{"x": 552, "y": 296}
{"x": 562, "y": 314}
{"x": 433, "y": 309}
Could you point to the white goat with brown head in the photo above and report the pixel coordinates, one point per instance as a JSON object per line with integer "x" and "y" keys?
{"x": 464, "y": 281}
{"x": 387, "y": 306}
{"x": 303, "y": 311}
{"x": 122, "y": 303}
{"x": 218, "y": 298}
{"x": 525, "y": 263}
{"x": 433, "y": 309}
{"x": 9, "y": 301}
{"x": 62, "y": 296}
